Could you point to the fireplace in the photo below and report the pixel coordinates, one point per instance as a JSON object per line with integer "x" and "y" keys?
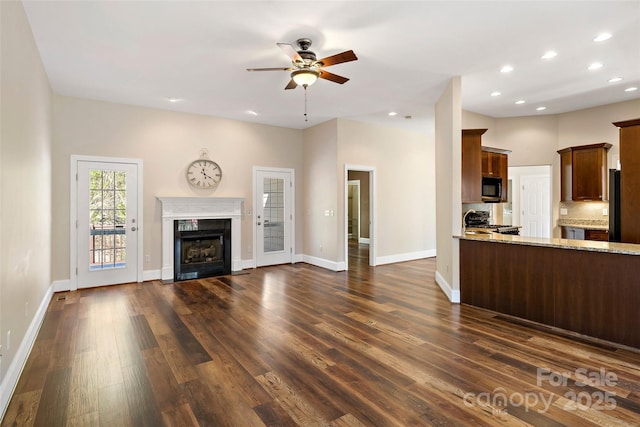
{"x": 200, "y": 208}
{"x": 202, "y": 248}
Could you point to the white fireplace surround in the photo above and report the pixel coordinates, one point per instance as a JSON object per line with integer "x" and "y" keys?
{"x": 174, "y": 208}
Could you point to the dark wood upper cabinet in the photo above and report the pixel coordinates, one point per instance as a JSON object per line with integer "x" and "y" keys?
{"x": 629, "y": 180}
{"x": 495, "y": 163}
{"x": 583, "y": 172}
{"x": 472, "y": 165}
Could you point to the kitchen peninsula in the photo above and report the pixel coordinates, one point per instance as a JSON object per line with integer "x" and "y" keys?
{"x": 587, "y": 287}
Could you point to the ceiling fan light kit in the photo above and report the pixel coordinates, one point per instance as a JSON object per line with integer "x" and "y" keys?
{"x": 305, "y": 77}
{"x": 305, "y": 68}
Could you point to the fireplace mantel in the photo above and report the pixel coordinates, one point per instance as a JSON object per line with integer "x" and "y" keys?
{"x": 174, "y": 208}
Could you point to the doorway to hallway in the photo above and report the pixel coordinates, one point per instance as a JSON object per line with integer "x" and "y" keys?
{"x": 359, "y": 223}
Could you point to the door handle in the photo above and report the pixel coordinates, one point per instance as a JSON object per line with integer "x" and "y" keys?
{"x": 133, "y": 229}
{"x": 259, "y": 223}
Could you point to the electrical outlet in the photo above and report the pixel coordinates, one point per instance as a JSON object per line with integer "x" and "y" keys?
{"x": 563, "y": 211}
{"x": 605, "y": 211}
{"x": 147, "y": 259}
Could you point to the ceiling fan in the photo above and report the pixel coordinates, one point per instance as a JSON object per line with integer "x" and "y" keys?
{"x": 305, "y": 68}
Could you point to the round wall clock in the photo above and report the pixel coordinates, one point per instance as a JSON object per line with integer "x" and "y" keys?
{"x": 204, "y": 173}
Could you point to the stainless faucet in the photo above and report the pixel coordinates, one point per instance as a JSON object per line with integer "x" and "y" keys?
{"x": 464, "y": 217}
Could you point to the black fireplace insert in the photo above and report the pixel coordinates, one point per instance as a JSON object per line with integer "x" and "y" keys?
{"x": 202, "y": 248}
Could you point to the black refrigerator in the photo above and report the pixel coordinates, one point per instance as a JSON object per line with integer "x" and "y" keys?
{"x": 614, "y": 205}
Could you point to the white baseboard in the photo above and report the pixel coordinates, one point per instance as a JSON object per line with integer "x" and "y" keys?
{"x": 324, "y": 263}
{"x": 410, "y": 256}
{"x": 248, "y": 264}
{"x": 61, "y": 285}
{"x": 12, "y": 376}
{"x": 452, "y": 294}
{"x": 148, "y": 275}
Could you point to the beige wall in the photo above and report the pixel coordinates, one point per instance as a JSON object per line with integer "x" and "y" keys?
{"x": 319, "y": 195}
{"x": 448, "y": 139}
{"x": 166, "y": 142}
{"x": 25, "y": 182}
{"x": 594, "y": 125}
{"x": 404, "y": 165}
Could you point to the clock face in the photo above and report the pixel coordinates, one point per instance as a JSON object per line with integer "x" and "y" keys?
{"x": 204, "y": 173}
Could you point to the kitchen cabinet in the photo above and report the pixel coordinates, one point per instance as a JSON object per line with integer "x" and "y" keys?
{"x": 576, "y": 233}
{"x": 629, "y": 180}
{"x": 472, "y": 165}
{"x": 495, "y": 163}
{"x": 592, "y": 293}
{"x": 583, "y": 172}
{"x": 573, "y": 233}
{"x": 599, "y": 235}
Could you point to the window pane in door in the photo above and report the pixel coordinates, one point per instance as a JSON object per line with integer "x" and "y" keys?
{"x": 107, "y": 219}
{"x": 273, "y": 206}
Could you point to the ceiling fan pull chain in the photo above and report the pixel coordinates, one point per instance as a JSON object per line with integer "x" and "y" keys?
{"x": 306, "y": 119}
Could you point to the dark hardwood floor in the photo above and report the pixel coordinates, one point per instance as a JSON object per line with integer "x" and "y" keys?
{"x": 300, "y": 345}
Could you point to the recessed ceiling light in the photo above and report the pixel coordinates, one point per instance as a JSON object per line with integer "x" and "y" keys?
{"x": 253, "y": 113}
{"x": 615, "y": 79}
{"x": 520, "y": 101}
{"x": 550, "y": 54}
{"x": 602, "y": 37}
{"x": 496, "y": 93}
{"x": 541, "y": 108}
{"x": 392, "y": 113}
{"x": 631, "y": 89}
{"x": 173, "y": 99}
{"x": 595, "y": 66}
{"x": 506, "y": 69}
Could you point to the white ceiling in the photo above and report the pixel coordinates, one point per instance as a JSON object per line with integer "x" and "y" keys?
{"x": 142, "y": 52}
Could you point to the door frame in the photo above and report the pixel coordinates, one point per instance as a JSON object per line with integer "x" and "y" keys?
{"x": 292, "y": 173}
{"x": 372, "y": 210}
{"x": 73, "y": 213}
{"x": 355, "y": 183}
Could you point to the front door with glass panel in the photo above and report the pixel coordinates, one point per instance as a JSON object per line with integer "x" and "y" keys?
{"x": 274, "y": 217}
{"x": 107, "y": 223}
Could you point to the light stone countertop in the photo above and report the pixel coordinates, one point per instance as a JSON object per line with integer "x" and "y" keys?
{"x": 587, "y": 224}
{"x": 581, "y": 245}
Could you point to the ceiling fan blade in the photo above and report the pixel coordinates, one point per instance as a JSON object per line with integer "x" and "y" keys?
{"x": 291, "y": 85}
{"x": 271, "y": 69}
{"x": 338, "y": 58}
{"x": 290, "y": 51}
{"x": 333, "y": 77}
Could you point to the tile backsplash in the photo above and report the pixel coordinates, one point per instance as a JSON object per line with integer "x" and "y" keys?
{"x": 584, "y": 210}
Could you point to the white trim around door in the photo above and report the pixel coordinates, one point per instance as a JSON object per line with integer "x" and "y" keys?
{"x": 73, "y": 213}
{"x": 276, "y": 254}
{"x": 372, "y": 210}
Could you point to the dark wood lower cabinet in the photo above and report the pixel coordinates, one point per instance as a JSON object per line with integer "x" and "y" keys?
{"x": 591, "y": 293}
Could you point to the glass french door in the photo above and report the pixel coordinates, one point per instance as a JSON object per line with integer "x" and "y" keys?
{"x": 107, "y": 237}
{"x": 273, "y": 209}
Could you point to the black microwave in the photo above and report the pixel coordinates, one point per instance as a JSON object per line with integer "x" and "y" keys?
{"x": 491, "y": 189}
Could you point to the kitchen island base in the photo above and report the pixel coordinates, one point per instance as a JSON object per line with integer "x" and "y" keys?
{"x": 591, "y": 293}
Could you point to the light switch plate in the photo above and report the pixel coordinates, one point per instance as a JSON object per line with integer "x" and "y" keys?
{"x": 563, "y": 211}
{"x": 605, "y": 211}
